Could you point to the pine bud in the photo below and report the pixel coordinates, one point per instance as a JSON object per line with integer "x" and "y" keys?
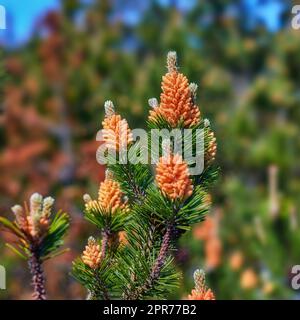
{"x": 110, "y": 195}
{"x": 89, "y": 203}
{"x": 211, "y": 151}
{"x": 92, "y": 254}
{"x": 153, "y": 114}
{"x": 172, "y": 61}
{"x": 116, "y": 132}
{"x": 36, "y": 205}
{"x": 153, "y": 103}
{"x": 199, "y": 279}
{"x": 108, "y": 174}
{"x": 172, "y": 177}
{"x": 206, "y": 123}
{"x": 193, "y": 90}
{"x": 176, "y": 103}
{"x": 201, "y": 292}
{"x": 87, "y": 198}
{"x": 36, "y": 201}
{"x": 21, "y": 218}
{"x": 109, "y": 108}
{"x": 47, "y": 207}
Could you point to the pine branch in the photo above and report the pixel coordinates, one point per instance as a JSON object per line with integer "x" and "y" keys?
{"x": 133, "y": 179}
{"x": 162, "y": 253}
{"x": 39, "y": 236}
{"x": 153, "y": 210}
{"x": 104, "y": 244}
{"x": 36, "y": 270}
{"x": 156, "y": 269}
{"x": 102, "y": 287}
{"x": 96, "y": 278}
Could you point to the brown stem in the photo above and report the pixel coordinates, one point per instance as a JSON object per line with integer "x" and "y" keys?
{"x": 162, "y": 254}
{"x": 104, "y": 243}
{"x": 156, "y": 269}
{"x": 37, "y": 273}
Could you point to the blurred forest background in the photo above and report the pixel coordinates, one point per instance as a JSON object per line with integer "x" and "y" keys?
{"x": 53, "y": 88}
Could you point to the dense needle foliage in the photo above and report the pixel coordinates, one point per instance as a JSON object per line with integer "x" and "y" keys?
{"x": 141, "y": 214}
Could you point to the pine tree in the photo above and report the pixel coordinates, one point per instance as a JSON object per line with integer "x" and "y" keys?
{"x": 141, "y": 216}
{"x": 39, "y": 235}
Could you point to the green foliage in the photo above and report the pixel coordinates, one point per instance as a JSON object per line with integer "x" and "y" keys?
{"x": 48, "y": 244}
{"x": 99, "y": 282}
{"x": 134, "y": 179}
{"x": 143, "y": 267}
{"x": 12, "y": 227}
{"x": 55, "y": 235}
{"x": 249, "y": 87}
{"x": 112, "y": 221}
{"x": 136, "y": 260}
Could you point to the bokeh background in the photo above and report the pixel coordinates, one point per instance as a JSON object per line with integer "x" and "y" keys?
{"x": 60, "y": 60}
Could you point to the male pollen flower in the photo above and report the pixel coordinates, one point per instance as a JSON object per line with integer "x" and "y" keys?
{"x": 92, "y": 254}
{"x": 36, "y": 205}
{"x": 116, "y": 132}
{"x": 153, "y": 103}
{"x": 36, "y": 201}
{"x": 47, "y": 207}
{"x": 21, "y": 217}
{"x": 172, "y": 177}
{"x": 201, "y": 292}
{"x": 46, "y": 212}
{"x": 110, "y": 196}
{"x": 211, "y": 151}
{"x": 176, "y": 100}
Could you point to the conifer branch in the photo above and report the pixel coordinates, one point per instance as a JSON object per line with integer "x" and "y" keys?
{"x": 39, "y": 236}
{"x": 104, "y": 243}
{"x": 152, "y": 210}
{"x": 165, "y": 246}
{"x": 36, "y": 270}
{"x": 102, "y": 287}
{"x": 137, "y": 293}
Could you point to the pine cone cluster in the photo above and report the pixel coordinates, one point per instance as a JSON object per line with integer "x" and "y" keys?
{"x": 110, "y": 196}
{"x": 92, "y": 254}
{"x": 35, "y": 221}
{"x": 201, "y": 292}
{"x": 172, "y": 177}
{"x": 176, "y": 100}
{"x": 116, "y": 132}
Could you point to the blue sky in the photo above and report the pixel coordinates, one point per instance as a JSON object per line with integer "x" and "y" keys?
{"x": 22, "y": 14}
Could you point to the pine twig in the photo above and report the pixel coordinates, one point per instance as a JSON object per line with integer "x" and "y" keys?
{"x": 37, "y": 273}
{"x": 156, "y": 269}
{"x": 102, "y": 287}
{"x": 162, "y": 253}
{"x": 104, "y": 244}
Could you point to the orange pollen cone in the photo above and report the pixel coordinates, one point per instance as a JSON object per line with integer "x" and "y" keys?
{"x": 204, "y": 295}
{"x": 92, "y": 254}
{"x": 201, "y": 292}
{"x": 116, "y": 132}
{"x": 110, "y": 195}
{"x": 176, "y": 100}
{"x": 172, "y": 177}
